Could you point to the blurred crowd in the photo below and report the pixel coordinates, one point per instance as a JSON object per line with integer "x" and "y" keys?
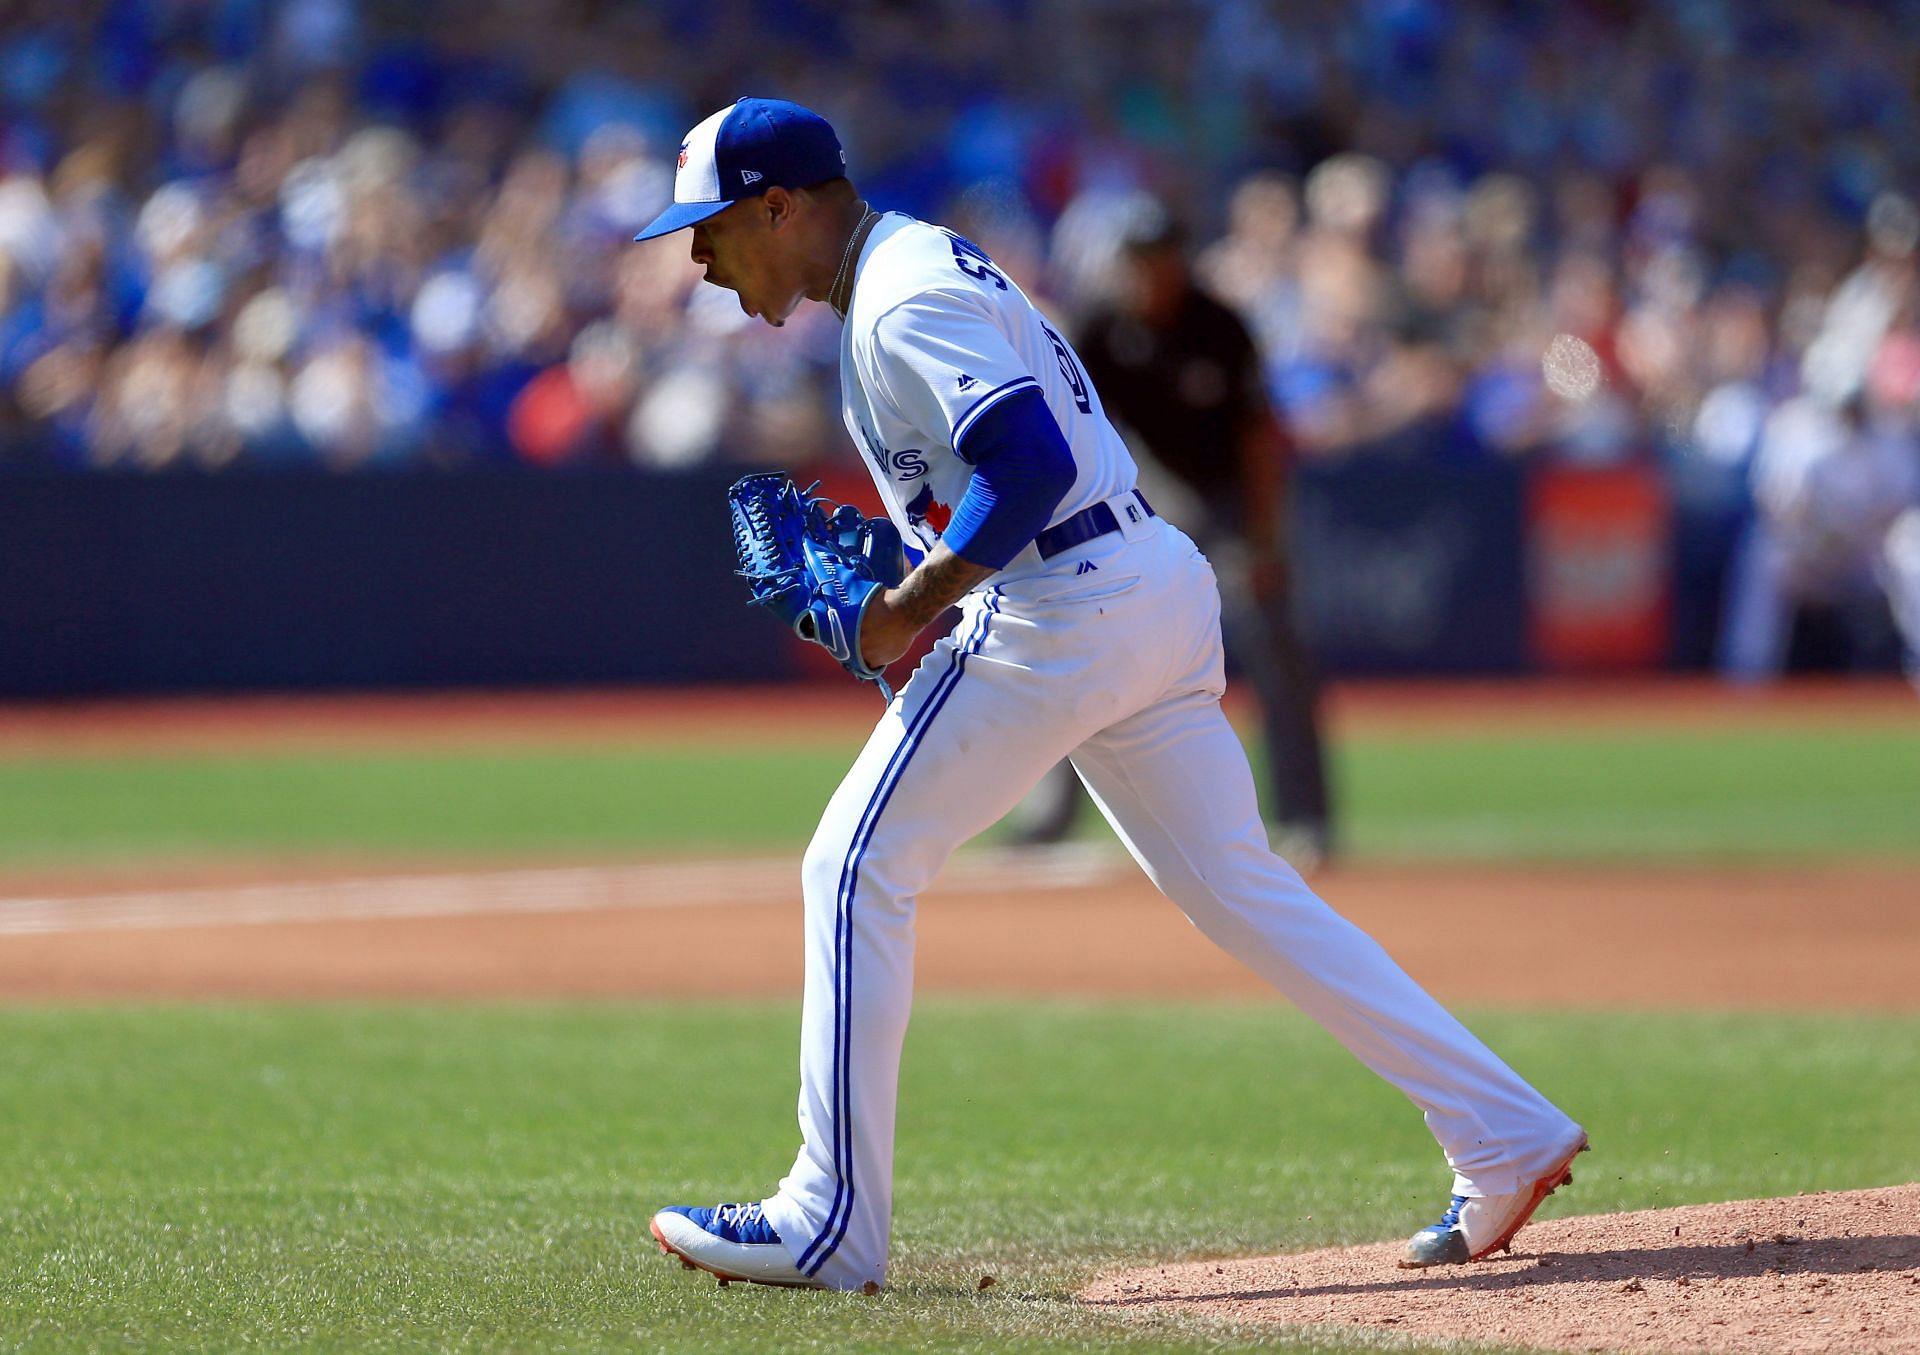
{"x": 396, "y": 232}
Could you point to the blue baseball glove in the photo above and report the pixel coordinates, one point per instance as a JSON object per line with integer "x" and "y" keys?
{"x": 815, "y": 564}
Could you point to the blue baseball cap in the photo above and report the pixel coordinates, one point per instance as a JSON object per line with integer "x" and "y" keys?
{"x": 741, "y": 152}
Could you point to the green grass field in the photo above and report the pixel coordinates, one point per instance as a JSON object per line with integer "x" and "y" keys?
{"x": 342, "y": 1178}
{"x": 478, "y": 1178}
{"x": 1767, "y": 794}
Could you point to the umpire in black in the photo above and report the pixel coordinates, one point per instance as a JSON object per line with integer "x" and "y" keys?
{"x": 1180, "y": 374}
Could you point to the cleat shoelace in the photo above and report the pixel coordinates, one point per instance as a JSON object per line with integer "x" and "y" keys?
{"x": 1451, "y": 1219}
{"x": 735, "y": 1215}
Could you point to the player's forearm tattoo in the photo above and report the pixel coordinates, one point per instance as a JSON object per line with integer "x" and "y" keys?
{"x": 942, "y": 579}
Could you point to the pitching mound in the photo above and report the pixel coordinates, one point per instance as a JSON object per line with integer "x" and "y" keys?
{"x": 1828, "y": 1272}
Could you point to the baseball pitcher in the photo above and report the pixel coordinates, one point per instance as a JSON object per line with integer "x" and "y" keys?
{"x": 1089, "y": 629}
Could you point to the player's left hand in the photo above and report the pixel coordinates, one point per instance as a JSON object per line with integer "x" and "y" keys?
{"x": 819, "y": 566}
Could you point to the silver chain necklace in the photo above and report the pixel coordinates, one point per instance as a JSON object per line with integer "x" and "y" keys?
{"x": 846, "y": 258}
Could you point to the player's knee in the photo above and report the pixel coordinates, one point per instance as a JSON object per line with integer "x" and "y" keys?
{"x": 881, "y": 871}
{"x": 824, "y": 863}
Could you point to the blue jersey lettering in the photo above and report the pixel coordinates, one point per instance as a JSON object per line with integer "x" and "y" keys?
{"x": 973, "y": 261}
{"x": 1076, "y": 379}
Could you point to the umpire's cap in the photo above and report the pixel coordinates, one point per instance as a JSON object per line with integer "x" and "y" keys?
{"x": 1146, "y": 224}
{"x": 742, "y": 151}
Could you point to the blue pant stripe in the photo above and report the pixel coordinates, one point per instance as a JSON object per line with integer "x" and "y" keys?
{"x": 840, "y": 1212}
{"x": 843, "y": 950}
{"x": 850, "y": 883}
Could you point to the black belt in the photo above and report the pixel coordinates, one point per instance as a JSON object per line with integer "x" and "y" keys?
{"x": 1084, "y": 526}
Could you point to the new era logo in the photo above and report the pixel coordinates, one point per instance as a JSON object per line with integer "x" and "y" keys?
{"x": 966, "y": 380}
{"x": 1086, "y": 567}
{"x": 749, "y": 176}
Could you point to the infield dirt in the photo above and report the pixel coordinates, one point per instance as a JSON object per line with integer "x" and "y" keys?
{"x": 1814, "y": 937}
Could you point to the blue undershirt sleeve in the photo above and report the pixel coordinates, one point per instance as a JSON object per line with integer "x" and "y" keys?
{"x": 1022, "y": 469}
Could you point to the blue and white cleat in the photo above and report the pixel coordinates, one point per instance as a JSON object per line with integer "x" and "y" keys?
{"x": 1474, "y": 1229}
{"x": 732, "y": 1241}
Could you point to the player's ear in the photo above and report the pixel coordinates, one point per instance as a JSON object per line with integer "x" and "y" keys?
{"x": 778, "y": 204}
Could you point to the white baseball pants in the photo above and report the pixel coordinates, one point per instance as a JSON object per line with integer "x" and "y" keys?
{"x": 1118, "y": 665}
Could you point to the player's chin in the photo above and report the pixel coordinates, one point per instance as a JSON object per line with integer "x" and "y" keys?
{"x": 775, "y": 315}
{"x": 746, "y": 303}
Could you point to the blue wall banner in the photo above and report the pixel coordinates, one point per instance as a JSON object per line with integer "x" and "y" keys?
{"x": 185, "y": 582}
{"x": 1409, "y": 567}
{"x": 140, "y": 583}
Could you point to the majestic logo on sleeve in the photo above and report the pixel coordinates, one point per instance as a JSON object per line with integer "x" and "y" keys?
{"x": 683, "y": 156}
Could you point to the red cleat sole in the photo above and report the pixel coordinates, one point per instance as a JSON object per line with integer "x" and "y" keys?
{"x": 1561, "y": 1175}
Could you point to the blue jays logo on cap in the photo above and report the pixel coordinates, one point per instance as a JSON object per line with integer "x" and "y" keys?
{"x": 742, "y": 151}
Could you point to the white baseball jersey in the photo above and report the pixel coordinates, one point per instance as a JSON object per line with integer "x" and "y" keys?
{"x": 1109, "y": 653}
{"x": 936, "y": 336}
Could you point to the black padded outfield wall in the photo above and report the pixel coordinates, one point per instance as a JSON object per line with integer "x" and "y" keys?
{"x": 182, "y": 583}
{"x": 169, "y": 583}
{"x": 1412, "y": 568}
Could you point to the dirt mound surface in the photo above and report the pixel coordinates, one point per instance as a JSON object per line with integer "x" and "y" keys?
{"x": 1836, "y": 1271}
